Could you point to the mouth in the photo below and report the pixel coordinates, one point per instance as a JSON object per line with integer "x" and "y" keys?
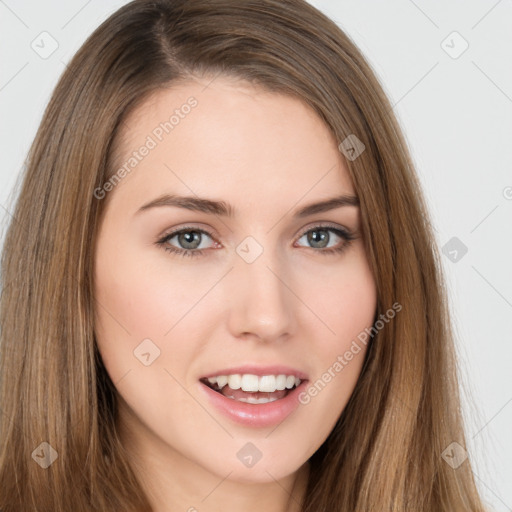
{"x": 251, "y": 388}
{"x": 255, "y": 396}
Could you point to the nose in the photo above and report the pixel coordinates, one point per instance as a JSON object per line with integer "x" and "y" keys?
{"x": 261, "y": 300}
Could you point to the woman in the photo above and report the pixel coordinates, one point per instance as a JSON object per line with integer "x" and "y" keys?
{"x": 221, "y": 287}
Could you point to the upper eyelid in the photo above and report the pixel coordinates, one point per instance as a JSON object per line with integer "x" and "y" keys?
{"x": 175, "y": 232}
{"x": 325, "y": 225}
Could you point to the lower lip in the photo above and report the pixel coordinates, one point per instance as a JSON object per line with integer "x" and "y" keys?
{"x": 255, "y": 415}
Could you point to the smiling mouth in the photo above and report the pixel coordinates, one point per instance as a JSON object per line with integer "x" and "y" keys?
{"x": 247, "y": 392}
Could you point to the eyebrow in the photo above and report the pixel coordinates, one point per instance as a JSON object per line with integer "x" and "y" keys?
{"x": 224, "y": 209}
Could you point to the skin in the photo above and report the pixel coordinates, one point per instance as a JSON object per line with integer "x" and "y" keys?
{"x": 267, "y": 155}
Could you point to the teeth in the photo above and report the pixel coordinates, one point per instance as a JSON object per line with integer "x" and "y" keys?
{"x": 235, "y": 381}
{"x": 253, "y": 400}
{"x": 222, "y": 381}
{"x": 267, "y": 383}
{"x": 248, "y": 383}
{"x": 281, "y": 382}
{"x": 253, "y": 383}
{"x": 290, "y": 382}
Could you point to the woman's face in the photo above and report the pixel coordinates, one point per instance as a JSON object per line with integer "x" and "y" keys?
{"x": 263, "y": 290}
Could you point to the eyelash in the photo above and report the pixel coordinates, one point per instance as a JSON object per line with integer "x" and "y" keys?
{"x": 342, "y": 233}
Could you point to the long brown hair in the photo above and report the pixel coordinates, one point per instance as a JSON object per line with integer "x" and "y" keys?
{"x": 385, "y": 452}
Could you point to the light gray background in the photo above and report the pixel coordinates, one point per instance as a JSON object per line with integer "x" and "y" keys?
{"x": 457, "y": 118}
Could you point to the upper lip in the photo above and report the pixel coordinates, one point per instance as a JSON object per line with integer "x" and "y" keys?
{"x": 258, "y": 370}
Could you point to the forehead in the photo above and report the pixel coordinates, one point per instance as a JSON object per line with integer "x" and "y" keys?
{"x": 224, "y": 137}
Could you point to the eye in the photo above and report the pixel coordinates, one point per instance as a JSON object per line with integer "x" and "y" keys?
{"x": 190, "y": 241}
{"x": 321, "y": 236}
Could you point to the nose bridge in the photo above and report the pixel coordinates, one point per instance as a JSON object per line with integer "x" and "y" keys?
{"x": 261, "y": 303}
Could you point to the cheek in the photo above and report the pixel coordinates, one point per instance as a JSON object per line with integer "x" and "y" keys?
{"x": 347, "y": 306}
{"x": 139, "y": 312}
{"x": 351, "y": 315}
{"x": 154, "y": 300}
{"x": 141, "y": 299}
{"x": 345, "y": 299}
{"x": 130, "y": 308}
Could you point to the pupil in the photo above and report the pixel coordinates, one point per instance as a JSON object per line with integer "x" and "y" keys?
{"x": 320, "y": 236}
{"x": 189, "y": 237}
